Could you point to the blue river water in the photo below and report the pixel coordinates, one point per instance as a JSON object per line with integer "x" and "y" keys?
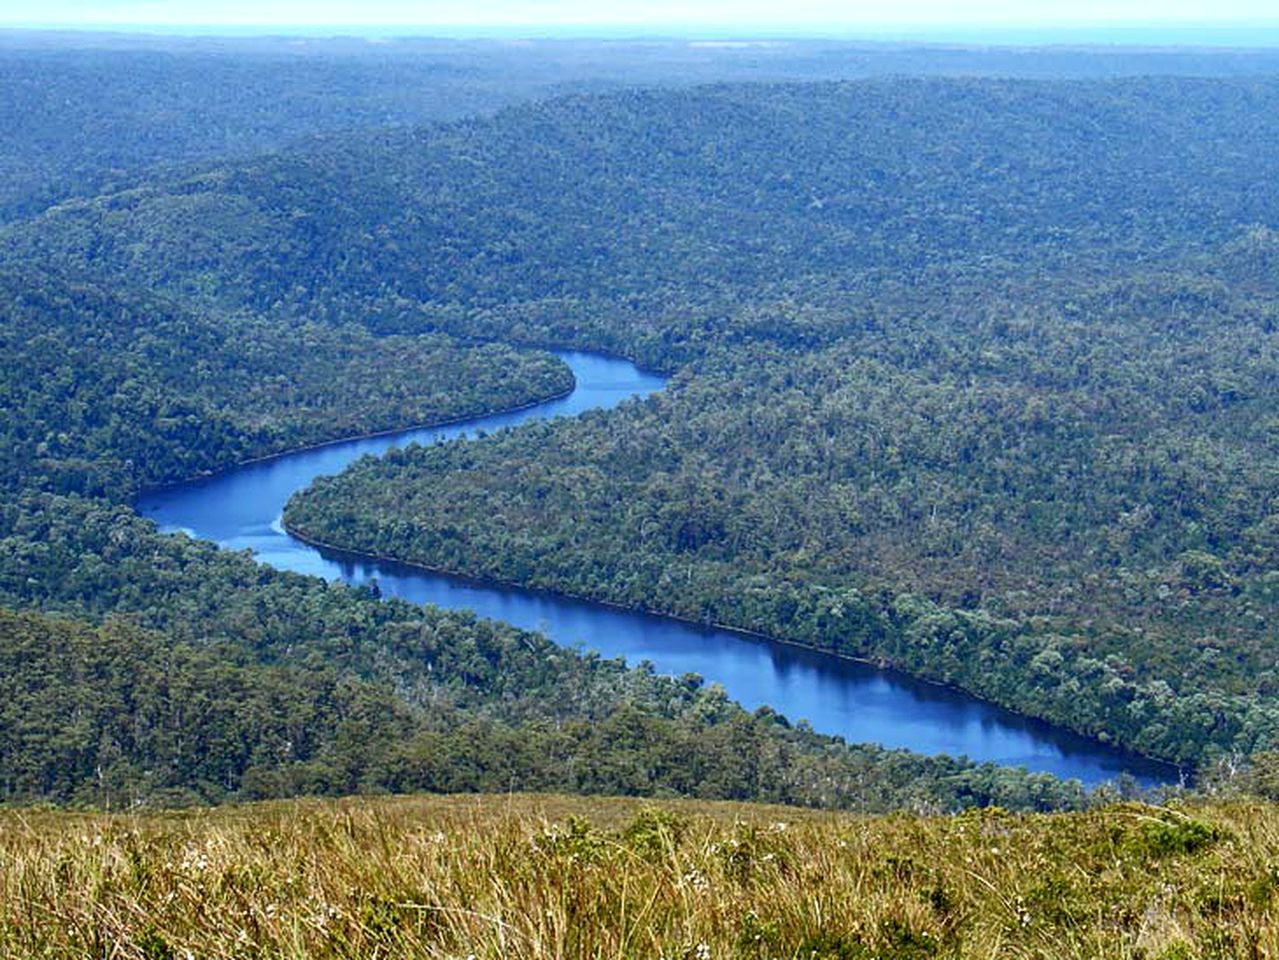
{"x": 241, "y": 509}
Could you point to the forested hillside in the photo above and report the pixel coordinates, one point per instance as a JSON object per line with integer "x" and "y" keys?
{"x": 972, "y": 377}
{"x": 85, "y": 113}
{"x": 163, "y": 671}
{"x": 168, "y": 671}
{"x": 1068, "y": 511}
{"x": 656, "y": 224}
{"x": 107, "y": 389}
{"x": 985, "y": 392}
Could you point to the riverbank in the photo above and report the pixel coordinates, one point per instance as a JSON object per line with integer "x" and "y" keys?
{"x": 1174, "y": 774}
{"x": 355, "y": 438}
{"x": 839, "y": 697}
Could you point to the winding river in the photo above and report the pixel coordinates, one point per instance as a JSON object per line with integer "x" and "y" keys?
{"x": 241, "y": 509}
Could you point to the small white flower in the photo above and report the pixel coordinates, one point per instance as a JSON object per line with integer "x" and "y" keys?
{"x": 193, "y": 861}
{"x": 697, "y": 880}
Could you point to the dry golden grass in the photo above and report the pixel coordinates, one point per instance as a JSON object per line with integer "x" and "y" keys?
{"x": 534, "y": 877}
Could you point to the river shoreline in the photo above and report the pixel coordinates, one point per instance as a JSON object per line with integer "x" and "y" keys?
{"x": 355, "y": 438}
{"x": 881, "y": 665}
{"x": 858, "y": 699}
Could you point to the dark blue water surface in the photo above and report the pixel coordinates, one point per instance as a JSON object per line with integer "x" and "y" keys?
{"x": 241, "y": 509}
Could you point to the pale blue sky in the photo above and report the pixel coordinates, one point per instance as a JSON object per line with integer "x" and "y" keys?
{"x": 822, "y": 15}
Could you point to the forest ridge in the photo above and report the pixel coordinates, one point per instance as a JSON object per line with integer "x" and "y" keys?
{"x": 972, "y": 377}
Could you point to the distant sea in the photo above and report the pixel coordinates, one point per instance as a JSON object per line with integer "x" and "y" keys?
{"x": 1180, "y": 35}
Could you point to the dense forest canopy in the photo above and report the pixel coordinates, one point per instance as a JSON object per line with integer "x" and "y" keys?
{"x": 85, "y": 113}
{"x": 1046, "y": 480}
{"x": 1093, "y": 551}
{"x": 166, "y": 670}
{"x": 108, "y": 390}
{"x": 654, "y": 223}
{"x": 972, "y": 376}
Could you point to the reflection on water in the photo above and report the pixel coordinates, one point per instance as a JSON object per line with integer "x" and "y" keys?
{"x": 241, "y": 510}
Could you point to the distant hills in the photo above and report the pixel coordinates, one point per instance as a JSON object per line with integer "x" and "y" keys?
{"x": 85, "y": 112}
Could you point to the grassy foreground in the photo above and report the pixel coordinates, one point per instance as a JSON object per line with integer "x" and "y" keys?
{"x": 530, "y": 876}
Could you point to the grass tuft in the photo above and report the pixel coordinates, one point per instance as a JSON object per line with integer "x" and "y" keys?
{"x": 536, "y": 877}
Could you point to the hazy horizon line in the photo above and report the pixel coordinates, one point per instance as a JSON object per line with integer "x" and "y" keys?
{"x": 1241, "y": 33}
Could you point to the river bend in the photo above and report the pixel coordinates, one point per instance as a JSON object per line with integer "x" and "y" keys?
{"x": 241, "y": 509}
